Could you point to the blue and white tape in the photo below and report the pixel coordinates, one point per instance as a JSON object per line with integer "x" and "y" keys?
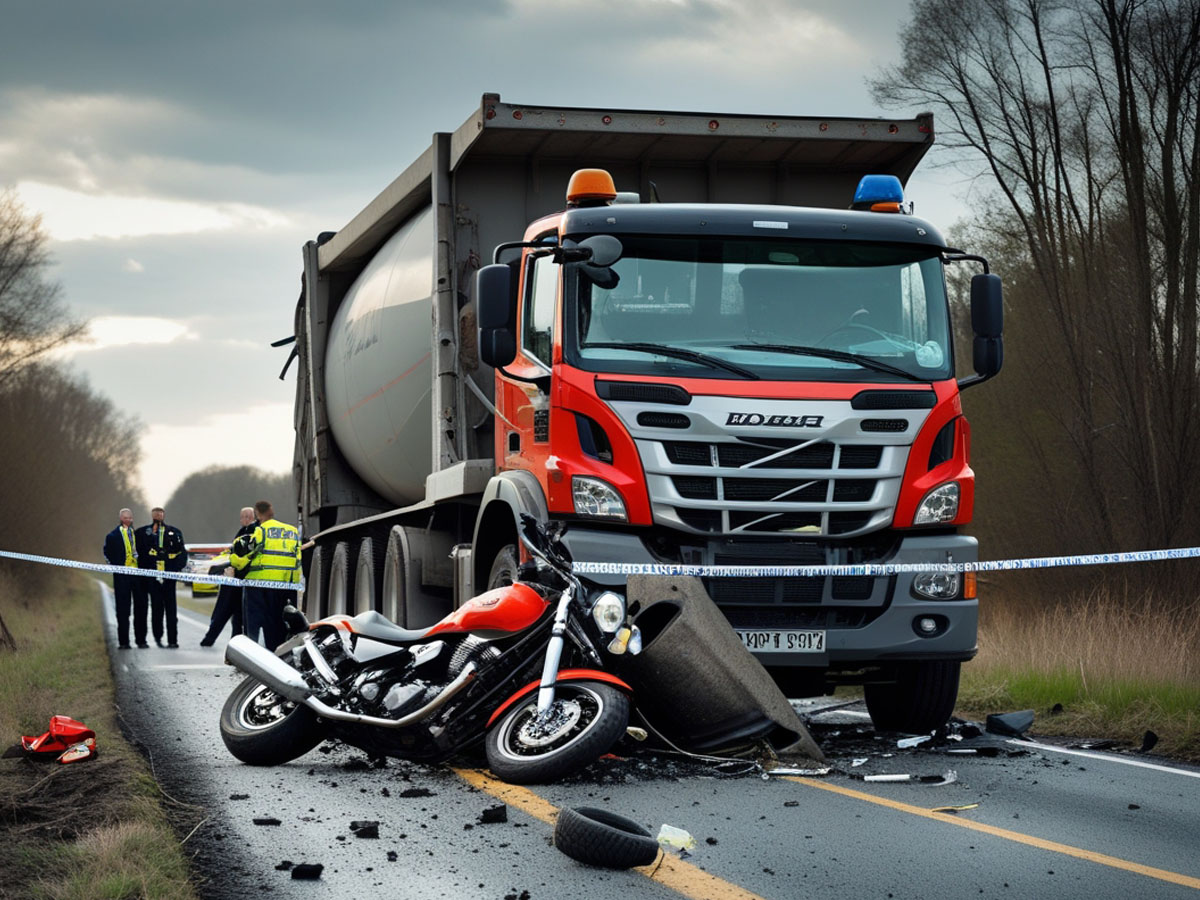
{"x": 190, "y": 577}
{"x": 876, "y": 569}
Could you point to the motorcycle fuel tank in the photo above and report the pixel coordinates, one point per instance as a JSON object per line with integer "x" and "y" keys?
{"x": 506, "y": 609}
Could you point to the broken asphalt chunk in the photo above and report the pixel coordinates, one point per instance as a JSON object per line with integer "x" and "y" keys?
{"x": 417, "y": 792}
{"x": 393, "y": 856}
{"x": 494, "y": 815}
{"x": 1013, "y": 723}
{"x": 365, "y": 829}
{"x": 267, "y": 820}
{"x": 239, "y": 796}
{"x": 308, "y": 871}
{"x": 284, "y": 866}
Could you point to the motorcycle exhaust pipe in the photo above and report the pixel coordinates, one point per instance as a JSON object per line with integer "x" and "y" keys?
{"x": 259, "y": 662}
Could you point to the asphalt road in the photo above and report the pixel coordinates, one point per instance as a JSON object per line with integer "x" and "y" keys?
{"x": 1049, "y": 822}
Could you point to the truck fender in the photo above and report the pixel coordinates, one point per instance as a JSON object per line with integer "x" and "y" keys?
{"x": 564, "y": 675}
{"x": 506, "y": 497}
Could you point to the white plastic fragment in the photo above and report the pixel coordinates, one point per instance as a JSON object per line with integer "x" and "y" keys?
{"x": 787, "y": 770}
{"x": 905, "y": 743}
{"x": 638, "y": 734}
{"x": 904, "y": 777}
{"x": 855, "y": 763}
{"x": 670, "y": 836}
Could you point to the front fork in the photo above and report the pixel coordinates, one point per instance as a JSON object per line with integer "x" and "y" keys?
{"x": 554, "y": 651}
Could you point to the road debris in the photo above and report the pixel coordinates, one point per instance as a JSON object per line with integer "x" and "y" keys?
{"x": 804, "y": 773}
{"x": 954, "y": 810}
{"x": 417, "y": 792}
{"x": 284, "y": 866}
{"x": 494, "y": 815}
{"x": 1013, "y": 723}
{"x": 670, "y": 836}
{"x": 906, "y": 743}
{"x": 267, "y": 820}
{"x": 1149, "y": 740}
{"x": 858, "y": 761}
{"x": 947, "y": 777}
{"x": 308, "y": 871}
{"x": 365, "y": 829}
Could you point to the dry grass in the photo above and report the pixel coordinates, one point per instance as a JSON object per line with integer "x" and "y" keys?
{"x": 89, "y": 830}
{"x": 1119, "y": 662}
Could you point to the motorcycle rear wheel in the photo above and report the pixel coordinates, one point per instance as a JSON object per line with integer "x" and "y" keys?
{"x": 590, "y": 717}
{"x": 263, "y": 729}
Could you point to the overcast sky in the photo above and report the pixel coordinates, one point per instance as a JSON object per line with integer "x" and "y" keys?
{"x": 181, "y": 154}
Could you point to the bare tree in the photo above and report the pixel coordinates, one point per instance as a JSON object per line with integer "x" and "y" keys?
{"x": 1083, "y": 116}
{"x": 33, "y": 318}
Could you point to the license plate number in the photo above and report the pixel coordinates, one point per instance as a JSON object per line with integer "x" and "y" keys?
{"x": 784, "y": 641}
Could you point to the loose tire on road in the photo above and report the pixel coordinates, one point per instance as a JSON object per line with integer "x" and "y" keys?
{"x": 262, "y": 729}
{"x": 921, "y": 700}
{"x": 598, "y": 837}
{"x": 595, "y": 716}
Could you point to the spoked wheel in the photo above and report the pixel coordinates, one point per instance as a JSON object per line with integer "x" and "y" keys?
{"x": 261, "y": 728}
{"x": 585, "y": 721}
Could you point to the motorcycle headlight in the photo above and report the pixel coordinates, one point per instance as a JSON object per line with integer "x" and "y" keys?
{"x": 939, "y": 505}
{"x": 608, "y": 612}
{"x": 597, "y": 499}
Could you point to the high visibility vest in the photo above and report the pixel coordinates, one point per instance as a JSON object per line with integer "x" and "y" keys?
{"x": 276, "y": 556}
{"x": 130, "y": 553}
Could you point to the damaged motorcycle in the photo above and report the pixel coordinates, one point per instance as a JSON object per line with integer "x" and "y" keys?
{"x": 521, "y": 668}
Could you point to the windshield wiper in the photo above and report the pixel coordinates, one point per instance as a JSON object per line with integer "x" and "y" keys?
{"x": 839, "y": 355}
{"x": 676, "y": 353}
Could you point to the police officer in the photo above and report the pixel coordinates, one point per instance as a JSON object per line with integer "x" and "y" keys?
{"x": 229, "y": 599}
{"x": 272, "y": 555}
{"x": 120, "y": 549}
{"x": 160, "y": 546}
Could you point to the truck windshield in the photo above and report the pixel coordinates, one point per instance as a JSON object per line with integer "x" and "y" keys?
{"x": 784, "y": 310}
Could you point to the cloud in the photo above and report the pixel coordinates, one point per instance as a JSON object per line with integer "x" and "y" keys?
{"x": 259, "y": 436}
{"x": 71, "y": 215}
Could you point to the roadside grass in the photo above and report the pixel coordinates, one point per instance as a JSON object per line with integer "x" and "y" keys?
{"x": 94, "y": 829}
{"x": 1120, "y": 663}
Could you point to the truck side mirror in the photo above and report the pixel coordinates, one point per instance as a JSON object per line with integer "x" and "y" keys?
{"x": 987, "y": 321}
{"x": 496, "y": 308}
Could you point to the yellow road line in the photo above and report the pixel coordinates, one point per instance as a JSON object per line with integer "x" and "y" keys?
{"x": 671, "y": 871}
{"x": 1018, "y": 837}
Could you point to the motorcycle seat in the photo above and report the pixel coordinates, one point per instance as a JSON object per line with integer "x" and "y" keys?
{"x": 377, "y": 627}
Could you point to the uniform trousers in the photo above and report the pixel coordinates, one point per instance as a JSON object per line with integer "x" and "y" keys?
{"x": 262, "y": 610}
{"x": 129, "y": 592}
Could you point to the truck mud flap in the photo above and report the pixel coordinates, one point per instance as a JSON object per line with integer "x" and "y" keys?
{"x": 694, "y": 681}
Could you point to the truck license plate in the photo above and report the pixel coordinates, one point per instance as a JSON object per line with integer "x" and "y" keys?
{"x": 784, "y": 641}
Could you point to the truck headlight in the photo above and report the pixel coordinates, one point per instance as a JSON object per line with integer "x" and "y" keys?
{"x": 939, "y": 505}
{"x": 937, "y": 585}
{"x": 608, "y": 612}
{"x": 597, "y": 499}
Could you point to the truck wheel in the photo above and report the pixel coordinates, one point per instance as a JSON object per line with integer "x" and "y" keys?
{"x": 263, "y": 729}
{"x": 366, "y": 576}
{"x": 586, "y": 720}
{"x": 341, "y": 579}
{"x": 314, "y": 584}
{"x": 394, "y": 593}
{"x": 504, "y": 567}
{"x": 921, "y": 700}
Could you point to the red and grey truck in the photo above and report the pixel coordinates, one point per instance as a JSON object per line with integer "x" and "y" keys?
{"x": 727, "y": 341}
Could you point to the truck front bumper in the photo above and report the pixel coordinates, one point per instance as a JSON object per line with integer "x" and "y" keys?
{"x": 875, "y": 623}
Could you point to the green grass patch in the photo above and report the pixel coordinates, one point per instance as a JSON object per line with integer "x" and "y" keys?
{"x": 94, "y": 829}
{"x": 1122, "y": 709}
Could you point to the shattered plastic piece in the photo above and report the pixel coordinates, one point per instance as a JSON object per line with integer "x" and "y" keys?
{"x": 308, "y": 871}
{"x": 82, "y": 750}
{"x": 267, "y": 821}
{"x": 905, "y": 743}
{"x": 855, "y": 763}
{"x": 887, "y": 778}
{"x": 638, "y": 734}
{"x": 494, "y": 815}
{"x": 947, "y": 777}
{"x": 970, "y": 730}
{"x": 807, "y": 773}
{"x": 1013, "y": 723}
{"x": 670, "y": 836}
{"x": 952, "y": 810}
{"x": 365, "y": 829}
{"x": 64, "y": 732}
{"x": 1149, "y": 739}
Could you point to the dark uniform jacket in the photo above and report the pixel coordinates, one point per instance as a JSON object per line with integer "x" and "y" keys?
{"x": 172, "y": 553}
{"x": 114, "y": 546}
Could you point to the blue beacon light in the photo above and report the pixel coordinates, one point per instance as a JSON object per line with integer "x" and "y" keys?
{"x": 873, "y": 189}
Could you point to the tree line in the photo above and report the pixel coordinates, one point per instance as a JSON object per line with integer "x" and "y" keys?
{"x": 1079, "y": 121}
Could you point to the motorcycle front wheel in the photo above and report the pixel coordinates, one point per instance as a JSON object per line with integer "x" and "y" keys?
{"x": 263, "y": 729}
{"x": 585, "y": 721}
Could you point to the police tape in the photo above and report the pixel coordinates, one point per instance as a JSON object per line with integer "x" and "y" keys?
{"x": 876, "y": 569}
{"x": 190, "y": 577}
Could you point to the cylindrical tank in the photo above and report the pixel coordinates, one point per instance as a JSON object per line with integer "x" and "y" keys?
{"x": 378, "y": 367}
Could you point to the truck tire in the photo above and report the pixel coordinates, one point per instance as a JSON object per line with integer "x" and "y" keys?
{"x": 921, "y": 699}
{"x": 598, "y": 837}
{"x": 593, "y": 716}
{"x": 504, "y": 567}
{"x": 367, "y": 575}
{"x": 314, "y": 585}
{"x": 341, "y": 580}
{"x": 393, "y": 594}
{"x": 263, "y": 729}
